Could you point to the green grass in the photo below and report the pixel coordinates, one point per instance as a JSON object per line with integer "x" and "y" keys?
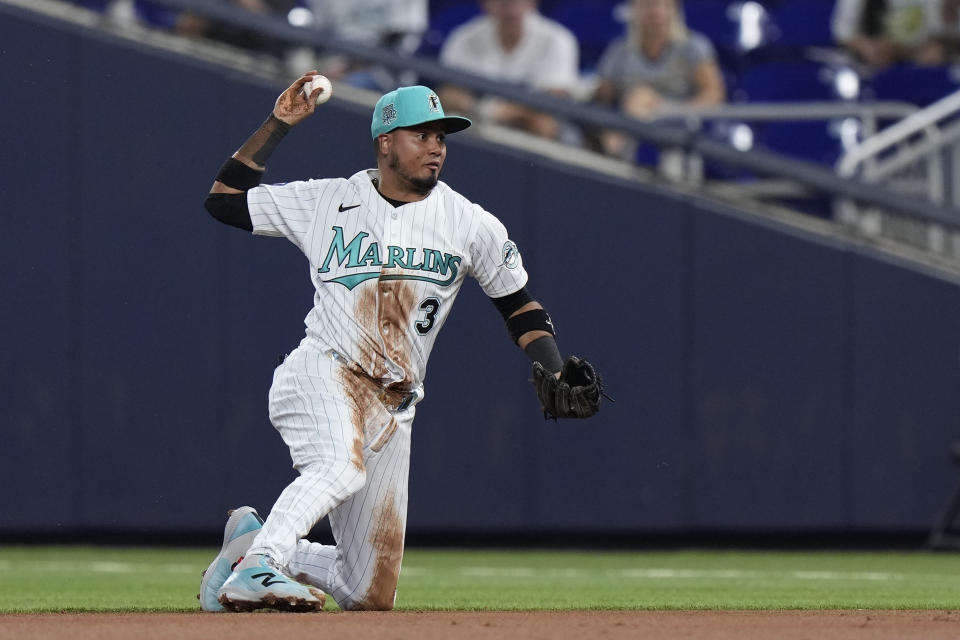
{"x": 129, "y": 579}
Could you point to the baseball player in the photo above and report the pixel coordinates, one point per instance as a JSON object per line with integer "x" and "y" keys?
{"x": 388, "y": 250}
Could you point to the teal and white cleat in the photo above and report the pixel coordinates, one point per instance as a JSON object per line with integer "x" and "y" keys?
{"x": 257, "y": 583}
{"x": 242, "y": 527}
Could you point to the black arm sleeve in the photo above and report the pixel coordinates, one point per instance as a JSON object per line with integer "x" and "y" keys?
{"x": 230, "y": 208}
{"x": 544, "y": 350}
{"x": 510, "y": 303}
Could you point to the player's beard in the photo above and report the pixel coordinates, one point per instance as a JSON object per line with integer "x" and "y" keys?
{"x": 419, "y": 185}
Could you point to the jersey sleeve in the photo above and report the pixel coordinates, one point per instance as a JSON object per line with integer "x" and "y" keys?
{"x": 495, "y": 260}
{"x": 284, "y": 210}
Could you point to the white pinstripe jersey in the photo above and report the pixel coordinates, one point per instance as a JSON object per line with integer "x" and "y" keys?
{"x": 386, "y": 277}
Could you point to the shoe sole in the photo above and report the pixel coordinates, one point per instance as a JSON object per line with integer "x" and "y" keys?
{"x": 228, "y": 544}
{"x": 293, "y": 604}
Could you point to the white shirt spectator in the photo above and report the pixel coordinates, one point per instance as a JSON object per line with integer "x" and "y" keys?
{"x": 370, "y": 21}
{"x": 546, "y": 58}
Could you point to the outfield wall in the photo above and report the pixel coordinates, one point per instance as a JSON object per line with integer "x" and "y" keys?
{"x": 765, "y": 378}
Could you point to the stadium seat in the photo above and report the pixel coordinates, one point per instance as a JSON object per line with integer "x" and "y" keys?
{"x": 593, "y": 23}
{"x": 909, "y": 83}
{"x": 803, "y": 140}
{"x": 786, "y": 81}
{"x": 803, "y": 23}
{"x": 157, "y": 15}
{"x": 713, "y": 19}
{"x": 792, "y": 81}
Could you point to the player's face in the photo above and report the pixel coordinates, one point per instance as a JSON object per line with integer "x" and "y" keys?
{"x": 417, "y": 154}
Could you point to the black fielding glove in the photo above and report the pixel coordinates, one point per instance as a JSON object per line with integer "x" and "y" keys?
{"x": 576, "y": 394}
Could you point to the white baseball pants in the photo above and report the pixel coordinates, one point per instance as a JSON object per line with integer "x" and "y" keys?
{"x": 353, "y": 456}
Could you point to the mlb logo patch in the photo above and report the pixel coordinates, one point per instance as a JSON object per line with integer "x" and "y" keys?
{"x": 434, "y": 103}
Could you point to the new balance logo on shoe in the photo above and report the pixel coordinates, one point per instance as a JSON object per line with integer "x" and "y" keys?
{"x": 266, "y": 578}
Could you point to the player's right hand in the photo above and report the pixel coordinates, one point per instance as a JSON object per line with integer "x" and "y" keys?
{"x": 293, "y": 106}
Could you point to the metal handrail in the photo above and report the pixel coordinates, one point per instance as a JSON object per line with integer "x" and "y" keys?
{"x": 868, "y": 113}
{"x": 924, "y": 149}
{"x": 793, "y": 111}
{"x": 895, "y": 134}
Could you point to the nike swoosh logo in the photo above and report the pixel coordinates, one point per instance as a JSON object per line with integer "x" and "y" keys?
{"x": 343, "y": 208}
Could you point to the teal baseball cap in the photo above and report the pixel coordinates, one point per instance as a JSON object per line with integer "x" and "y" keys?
{"x": 410, "y": 106}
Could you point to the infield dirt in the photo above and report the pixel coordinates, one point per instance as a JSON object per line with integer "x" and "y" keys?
{"x": 432, "y": 625}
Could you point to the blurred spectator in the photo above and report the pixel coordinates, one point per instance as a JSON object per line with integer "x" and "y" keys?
{"x": 197, "y": 25}
{"x": 125, "y": 13}
{"x": 659, "y": 63}
{"x": 948, "y": 34}
{"x": 512, "y": 41}
{"x": 394, "y": 24}
{"x": 883, "y": 32}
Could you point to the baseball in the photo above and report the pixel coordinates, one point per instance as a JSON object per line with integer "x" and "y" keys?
{"x": 319, "y": 82}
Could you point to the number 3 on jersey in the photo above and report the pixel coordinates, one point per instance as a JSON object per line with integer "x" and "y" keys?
{"x": 428, "y": 313}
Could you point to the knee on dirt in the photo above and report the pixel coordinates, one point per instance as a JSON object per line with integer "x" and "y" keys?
{"x": 376, "y": 603}
{"x": 381, "y": 594}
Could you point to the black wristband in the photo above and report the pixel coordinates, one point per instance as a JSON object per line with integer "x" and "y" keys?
{"x": 532, "y": 320}
{"x": 544, "y": 350}
{"x": 277, "y": 128}
{"x": 237, "y": 175}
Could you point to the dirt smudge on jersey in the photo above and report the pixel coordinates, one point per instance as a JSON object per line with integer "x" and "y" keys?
{"x": 369, "y": 411}
{"x": 365, "y": 311}
{"x": 387, "y": 540}
{"x": 385, "y": 435}
{"x": 384, "y": 310}
{"x": 396, "y": 303}
{"x": 359, "y": 398}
